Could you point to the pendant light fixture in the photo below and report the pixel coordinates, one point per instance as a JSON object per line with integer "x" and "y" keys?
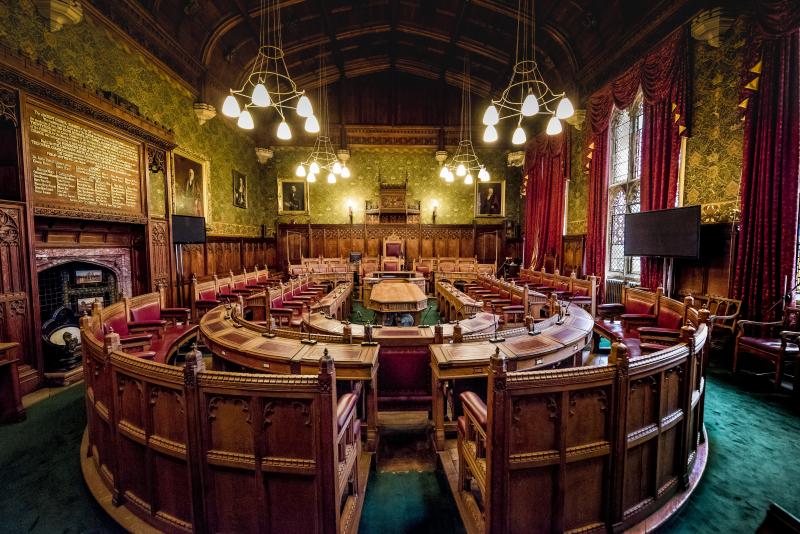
{"x": 465, "y": 163}
{"x": 323, "y": 157}
{"x": 269, "y": 85}
{"x": 527, "y": 94}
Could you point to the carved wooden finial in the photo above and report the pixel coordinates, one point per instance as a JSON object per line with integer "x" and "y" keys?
{"x": 619, "y": 353}
{"x": 326, "y": 362}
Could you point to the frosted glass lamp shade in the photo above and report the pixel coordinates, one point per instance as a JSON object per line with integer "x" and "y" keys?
{"x": 461, "y": 170}
{"x": 260, "y": 97}
{"x": 443, "y": 172}
{"x": 245, "y": 121}
{"x": 519, "y": 137}
{"x": 468, "y": 179}
{"x": 230, "y": 107}
{"x": 312, "y": 124}
{"x": 565, "y": 109}
{"x": 304, "y": 107}
{"x": 331, "y": 178}
{"x": 530, "y": 106}
{"x": 311, "y": 178}
{"x": 449, "y": 178}
{"x": 490, "y": 134}
{"x": 491, "y": 117}
{"x": 483, "y": 175}
{"x": 345, "y": 172}
{"x": 554, "y": 126}
{"x": 313, "y": 168}
{"x": 301, "y": 171}
{"x": 337, "y": 168}
{"x": 284, "y": 132}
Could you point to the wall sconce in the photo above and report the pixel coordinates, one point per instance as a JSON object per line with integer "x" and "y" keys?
{"x": 435, "y": 204}
{"x": 350, "y": 210}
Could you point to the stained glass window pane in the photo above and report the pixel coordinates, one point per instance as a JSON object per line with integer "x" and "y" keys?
{"x": 624, "y": 195}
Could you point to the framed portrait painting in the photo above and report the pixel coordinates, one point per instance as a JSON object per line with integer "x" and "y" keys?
{"x": 239, "y": 189}
{"x": 490, "y": 199}
{"x": 292, "y": 196}
{"x": 190, "y": 185}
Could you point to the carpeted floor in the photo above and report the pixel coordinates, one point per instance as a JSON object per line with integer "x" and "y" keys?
{"x": 361, "y": 315}
{"x": 754, "y": 438}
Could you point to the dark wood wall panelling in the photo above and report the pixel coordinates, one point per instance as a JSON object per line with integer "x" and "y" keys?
{"x": 221, "y": 254}
{"x": 487, "y": 242}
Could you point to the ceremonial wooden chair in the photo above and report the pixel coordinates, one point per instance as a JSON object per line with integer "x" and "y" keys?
{"x": 775, "y": 341}
{"x": 393, "y": 252}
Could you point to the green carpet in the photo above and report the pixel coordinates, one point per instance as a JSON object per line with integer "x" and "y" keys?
{"x": 361, "y": 315}
{"x": 41, "y": 485}
{"x": 400, "y": 503}
{"x": 754, "y": 442}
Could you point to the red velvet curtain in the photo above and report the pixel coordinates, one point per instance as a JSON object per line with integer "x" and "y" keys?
{"x": 663, "y": 78}
{"x": 769, "y": 191}
{"x": 547, "y": 159}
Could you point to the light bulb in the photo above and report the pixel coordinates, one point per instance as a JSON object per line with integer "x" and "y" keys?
{"x": 283, "y": 131}
{"x": 449, "y": 177}
{"x": 313, "y": 168}
{"x": 519, "y": 136}
{"x": 461, "y": 170}
{"x": 554, "y": 126}
{"x": 345, "y": 172}
{"x": 490, "y": 134}
{"x": 483, "y": 175}
{"x": 260, "y": 96}
{"x": 245, "y": 121}
{"x": 565, "y": 109}
{"x": 311, "y": 178}
{"x": 490, "y": 116}
{"x": 331, "y": 178}
{"x": 443, "y": 172}
{"x": 337, "y": 168}
{"x": 312, "y": 124}
{"x": 301, "y": 171}
{"x": 468, "y": 179}
{"x": 304, "y": 107}
{"x": 230, "y": 107}
{"x": 530, "y": 106}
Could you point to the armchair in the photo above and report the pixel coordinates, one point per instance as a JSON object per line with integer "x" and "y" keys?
{"x": 776, "y": 341}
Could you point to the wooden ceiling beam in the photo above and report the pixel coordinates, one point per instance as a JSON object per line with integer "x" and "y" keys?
{"x": 328, "y": 30}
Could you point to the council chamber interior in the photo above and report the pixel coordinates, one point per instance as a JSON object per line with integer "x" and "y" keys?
{"x": 473, "y": 266}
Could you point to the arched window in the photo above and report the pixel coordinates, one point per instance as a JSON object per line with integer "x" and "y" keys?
{"x": 623, "y": 187}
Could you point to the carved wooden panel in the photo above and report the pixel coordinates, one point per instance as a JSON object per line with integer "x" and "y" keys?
{"x": 16, "y": 317}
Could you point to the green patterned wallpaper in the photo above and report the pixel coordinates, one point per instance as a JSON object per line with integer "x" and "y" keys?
{"x": 90, "y": 53}
{"x": 369, "y": 165}
{"x": 578, "y": 185}
{"x": 713, "y": 152}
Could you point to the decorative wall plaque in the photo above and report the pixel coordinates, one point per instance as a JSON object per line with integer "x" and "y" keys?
{"x": 82, "y": 171}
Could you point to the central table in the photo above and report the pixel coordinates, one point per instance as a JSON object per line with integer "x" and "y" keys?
{"x": 397, "y": 297}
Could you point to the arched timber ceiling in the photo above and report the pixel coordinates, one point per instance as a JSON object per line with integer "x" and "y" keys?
{"x": 212, "y": 43}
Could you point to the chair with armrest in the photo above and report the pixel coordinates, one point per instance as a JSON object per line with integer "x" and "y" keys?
{"x": 639, "y": 307}
{"x": 775, "y": 341}
{"x": 146, "y": 313}
{"x": 665, "y": 328}
{"x": 203, "y": 297}
{"x": 115, "y": 320}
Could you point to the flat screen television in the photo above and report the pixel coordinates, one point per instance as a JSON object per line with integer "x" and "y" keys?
{"x": 187, "y": 229}
{"x": 672, "y": 233}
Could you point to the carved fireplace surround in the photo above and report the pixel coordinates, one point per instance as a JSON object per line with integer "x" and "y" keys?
{"x": 116, "y": 259}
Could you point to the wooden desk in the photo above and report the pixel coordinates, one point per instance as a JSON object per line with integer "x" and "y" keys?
{"x": 336, "y": 303}
{"x": 11, "y": 410}
{"x": 397, "y": 296}
{"x": 455, "y": 304}
{"x": 241, "y": 343}
{"x": 555, "y": 344}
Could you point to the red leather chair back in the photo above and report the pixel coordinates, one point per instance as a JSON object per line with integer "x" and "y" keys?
{"x": 149, "y": 312}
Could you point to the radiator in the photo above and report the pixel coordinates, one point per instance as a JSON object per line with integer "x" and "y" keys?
{"x": 614, "y": 290}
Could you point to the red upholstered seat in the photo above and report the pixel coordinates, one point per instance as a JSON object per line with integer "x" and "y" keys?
{"x": 404, "y": 377}
{"x": 149, "y": 312}
{"x": 767, "y": 344}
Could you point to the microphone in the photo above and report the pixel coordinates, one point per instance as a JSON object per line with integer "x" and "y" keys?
{"x": 495, "y": 339}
